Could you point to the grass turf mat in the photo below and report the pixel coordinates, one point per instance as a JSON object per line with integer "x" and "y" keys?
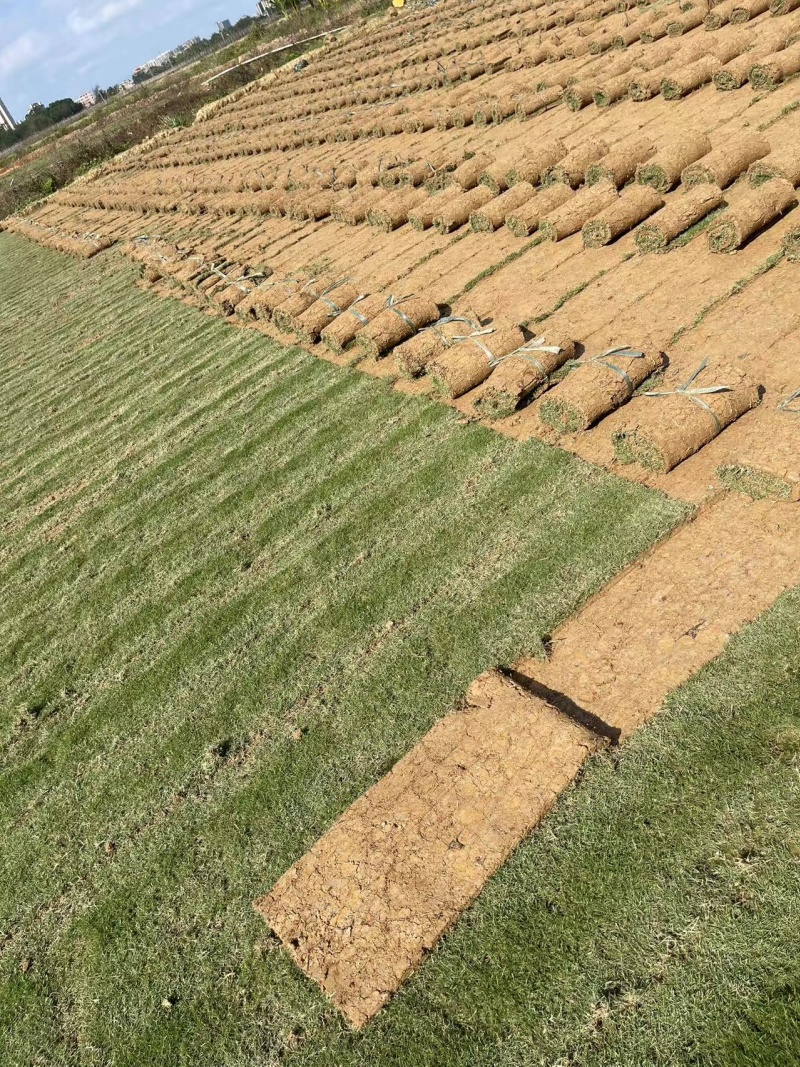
{"x": 237, "y": 584}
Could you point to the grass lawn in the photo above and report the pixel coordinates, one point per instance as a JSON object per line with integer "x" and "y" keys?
{"x": 236, "y": 584}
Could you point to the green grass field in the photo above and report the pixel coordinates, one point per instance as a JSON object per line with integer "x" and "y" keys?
{"x": 237, "y": 584}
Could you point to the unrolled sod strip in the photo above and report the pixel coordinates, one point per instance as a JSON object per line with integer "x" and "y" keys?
{"x": 313, "y": 321}
{"x": 669, "y": 425}
{"x": 523, "y": 375}
{"x": 473, "y": 359}
{"x": 493, "y": 215}
{"x": 724, "y": 164}
{"x": 782, "y": 162}
{"x": 571, "y": 216}
{"x": 619, "y": 166}
{"x": 761, "y": 206}
{"x": 628, "y": 210}
{"x": 664, "y": 171}
{"x": 682, "y": 212}
{"x": 342, "y": 331}
{"x": 400, "y": 319}
{"x": 524, "y": 220}
{"x": 413, "y": 356}
{"x": 596, "y": 387}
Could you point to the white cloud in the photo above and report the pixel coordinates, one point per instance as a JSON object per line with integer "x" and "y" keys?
{"x": 20, "y": 53}
{"x": 89, "y": 20}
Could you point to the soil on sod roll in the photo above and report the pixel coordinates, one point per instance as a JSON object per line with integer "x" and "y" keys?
{"x": 628, "y": 210}
{"x": 723, "y": 165}
{"x": 620, "y": 164}
{"x": 396, "y": 323}
{"x": 525, "y": 219}
{"x": 685, "y": 80}
{"x": 342, "y": 331}
{"x": 782, "y": 162}
{"x": 664, "y": 430}
{"x": 493, "y": 215}
{"x": 414, "y": 355}
{"x": 761, "y": 206}
{"x": 682, "y": 212}
{"x": 581, "y": 207}
{"x": 535, "y": 162}
{"x": 572, "y": 168}
{"x": 523, "y": 375}
{"x": 313, "y": 321}
{"x": 664, "y": 171}
{"x": 472, "y": 360}
{"x": 595, "y": 387}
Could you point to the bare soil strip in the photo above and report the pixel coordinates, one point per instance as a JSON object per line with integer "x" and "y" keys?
{"x": 362, "y": 908}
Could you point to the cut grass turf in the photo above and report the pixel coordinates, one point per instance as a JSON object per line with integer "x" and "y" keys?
{"x": 237, "y": 585}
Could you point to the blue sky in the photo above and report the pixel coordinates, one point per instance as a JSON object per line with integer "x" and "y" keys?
{"x": 50, "y": 49}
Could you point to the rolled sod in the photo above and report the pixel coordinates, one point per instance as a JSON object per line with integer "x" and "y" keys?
{"x": 666, "y": 429}
{"x": 724, "y": 164}
{"x": 524, "y": 220}
{"x": 690, "y": 20}
{"x": 424, "y": 214}
{"x": 782, "y": 162}
{"x": 467, "y": 174}
{"x": 310, "y": 324}
{"x": 664, "y": 171}
{"x": 395, "y": 324}
{"x": 682, "y": 212}
{"x": 456, "y": 213}
{"x": 262, "y": 302}
{"x": 392, "y": 211}
{"x": 571, "y": 170}
{"x": 342, "y": 331}
{"x": 595, "y": 388}
{"x": 231, "y": 296}
{"x": 628, "y": 210}
{"x": 533, "y": 103}
{"x": 471, "y": 361}
{"x": 313, "y": 208}
{"x": 626, "y": 37}
{"x": 744, "y": 10}
{"x": 414, "y": 355}
{"x": 494, "y": 213}
{"x": 495, "y": 177}
{"x": 570, "y": 217}
{"x": 688, "y": 78}
{"x": 645, "y": 85}
{"x": 734, "y": 74}
{"x": 535, "y": 162}
{"x": 774, "y": 69}
{"x": 614, "y": 89}
{"x": 577, "y": 97}
{"x": 353, "y": 207}
{"x": 523, "y": 375}
{"x": 620, "y": 164}
{"x": 419, "y": 121}
{"x": 783, "y": 7}
{"x": 761, "y": 206}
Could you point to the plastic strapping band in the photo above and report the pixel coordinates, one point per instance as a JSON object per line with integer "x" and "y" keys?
{"x": 630, "y": 353}
{"x": 392, "y": 303}
{"x": 357, "y": 315}
{"x": 475, "y": 338}
{"x": 525, "y": 353}
{"x": 443, "y": 322}
{"x": 695, "y": 394}
{"x": 786, "y": 405}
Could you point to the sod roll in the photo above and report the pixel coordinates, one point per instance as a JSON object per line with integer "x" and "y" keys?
{"x": 342, "y": 331}
{"x": 531, "y": 104}
{"x": 392, "y": 211}
{"x": 423, "y": 215}
{"x": 760, "y": 207}
{"x": 523, "y": 375}
{"x": 596, "y": 387}
{"x": 689, "y": 20}
{"x": 774, "y": 69}
{"x": 791, "y": 245}
{"x": 456, "y": 212}
{"x": 608, "y": 92}
{"x": 668, "y": 426}
{"x": 524, "y": 220}
{"x": 682, "y": 212}
{"x": 734, "y": 74}
{"x": 744, "y": 10}
{"x": 495, "y": 178}
{"x": 628, "y": 210}
{"x": 413, "y": 356}
{"x": 620, "y": 164}
{"x": 570, "y": 217}
{"x": 353, "y": 207}
{"x": 493, "y": 214}
{"x": 664, "y": 171}
{"x": 577, "y": 97}
{"x": 472, "y": 360}
{"x": 310, "y": 324}
{"x": 571, "y": 170}
{"x": 686, "y": 79}
{"x": 285, "y": 313}
{"x": 782, "y": 162}
{"x": 261, "y": 303}
{"x": 535, "y": 162}
{"x": 724, "y": 164}
{"x": 783, "y": 7}
{"x": 468, "y": 174}
{"x": 399, "y": 320}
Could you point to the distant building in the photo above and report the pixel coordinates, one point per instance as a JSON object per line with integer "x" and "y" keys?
{"x": 267, "y": 9}
{"x": 6, "y": 121}
{"x": 223, "y": 26}
{"x": 88, "y": 99}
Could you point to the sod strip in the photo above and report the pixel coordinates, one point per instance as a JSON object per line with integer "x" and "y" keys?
{"x": 682, "y": 212}
{"x": 360, "y": 910}
{"x": 761, "y": 206}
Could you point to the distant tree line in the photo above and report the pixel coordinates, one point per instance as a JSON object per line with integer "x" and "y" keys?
{"x": 40, "y": 118}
